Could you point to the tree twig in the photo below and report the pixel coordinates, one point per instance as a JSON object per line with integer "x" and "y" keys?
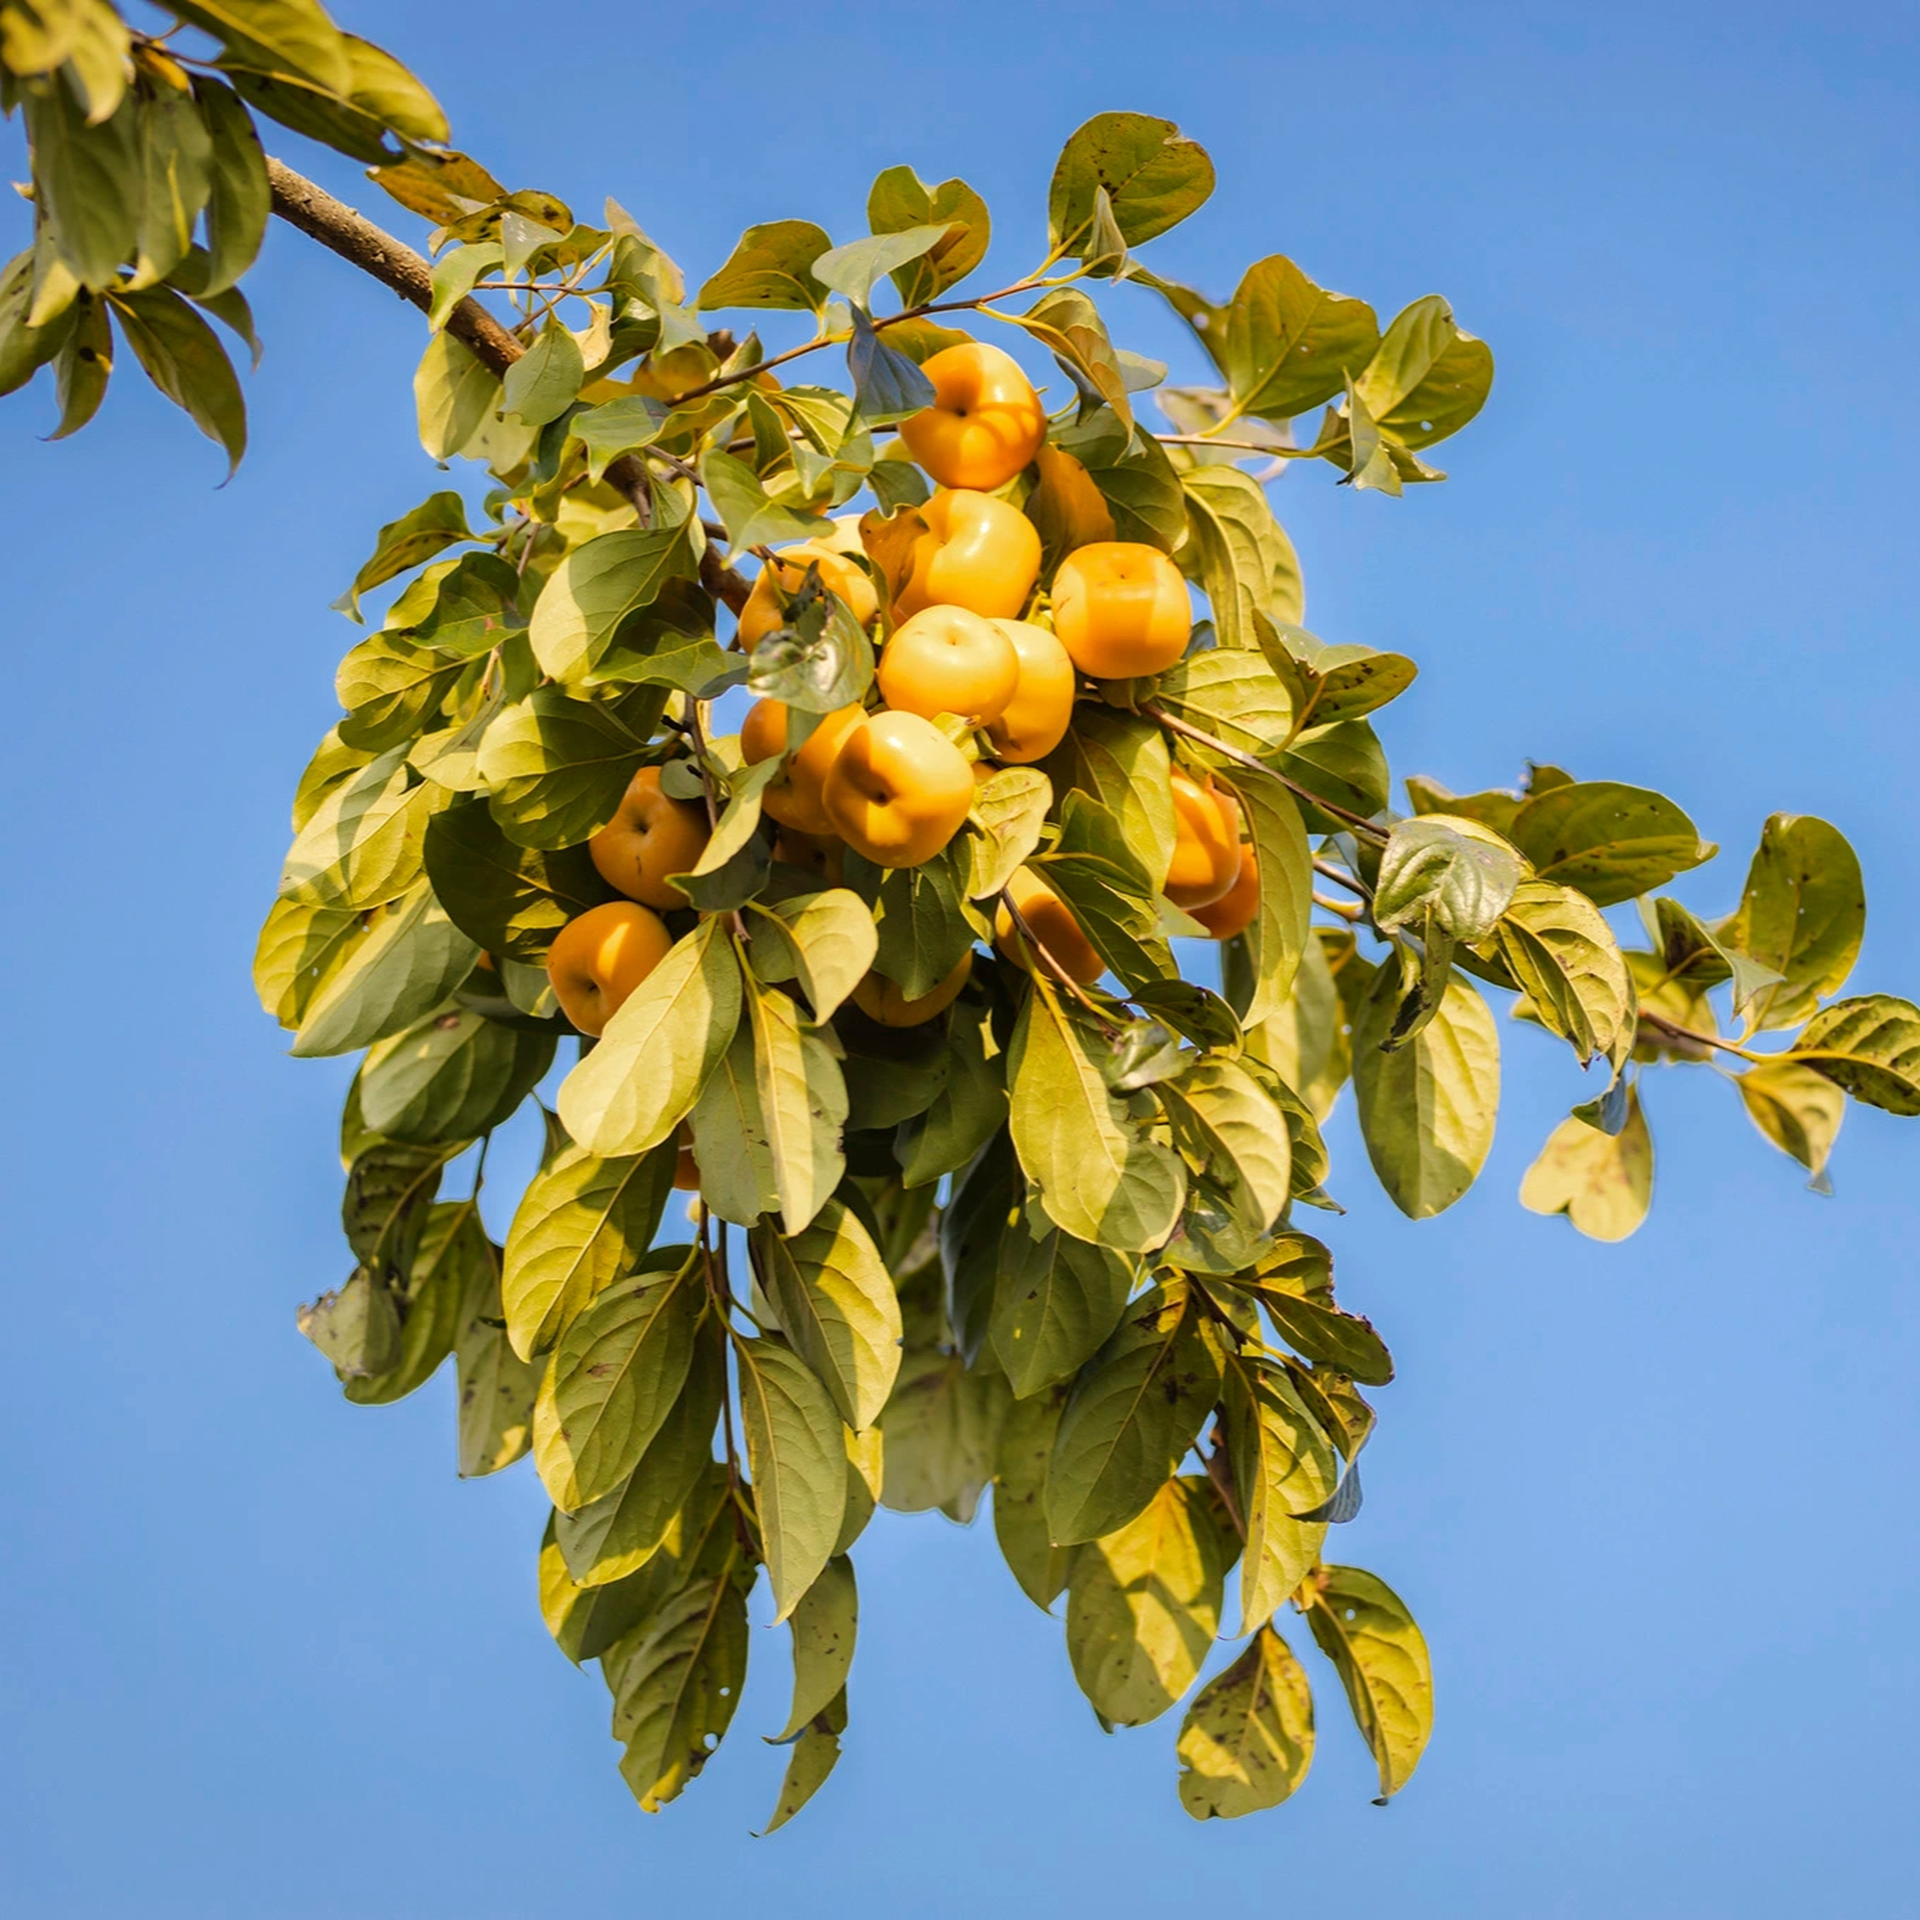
{"x": 338, "y": 228}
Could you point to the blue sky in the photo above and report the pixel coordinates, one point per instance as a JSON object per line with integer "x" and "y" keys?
{"x": 1654, "y": 1504}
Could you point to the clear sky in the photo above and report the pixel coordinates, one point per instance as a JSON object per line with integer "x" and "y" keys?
{"x": 1655, "y": 1504}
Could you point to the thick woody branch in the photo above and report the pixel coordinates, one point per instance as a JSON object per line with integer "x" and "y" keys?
{"x": 395, "y": 264}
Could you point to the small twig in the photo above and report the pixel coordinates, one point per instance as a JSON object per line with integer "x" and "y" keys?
{"x": 1344, "y": 908}
{"x": 1674, "y": 1030}
{"x": 1342, "y": 878}
{"x": 1053, "y": 966}
{"x": 1221, "y": 1474}
{"x": 1356, "y": 821}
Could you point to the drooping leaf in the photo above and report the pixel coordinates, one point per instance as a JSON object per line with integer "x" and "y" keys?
{"x": 1133, "y": 1415}
{"x": 798, "y": 1461}
{"x": 510, "y": 900}
{"x": 1019, "y": 1488}
{"x": 1247, "y": 1741}
{"x": 823, "y": 1625}
{"x": 1563, "y": 956}
{"x": 596, "y": 589}
{"x": 582, "y": 1223}
{"x": 816, "y": 1752}
{"x": 1283, "y": 1467}
{"x": 1608, "y": 840}
{"x": 1427, "y": 1109}
{"x": 838, "y": 1306}
{"x": 1364, "y": 1628}
{"x": 642, "y": 1079}
{"x": 615, "y": 1373}
{"x": 1602, "y": 1182}
{"x": 1143, "y": 1603}
{"x": 1055, "y": 1302}
{"x": 1802, "y": 915}
{"x": 1798, "y": 1109}
{"x": 1244, "y": 563}
{"x": 184, "y": 358}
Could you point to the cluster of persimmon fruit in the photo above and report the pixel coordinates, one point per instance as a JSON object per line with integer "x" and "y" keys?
{"x": 888, "y": 781}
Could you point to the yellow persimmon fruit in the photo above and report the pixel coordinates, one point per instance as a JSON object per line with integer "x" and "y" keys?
{"x": 1035, "y": 720}
{"x": 1051, "y": 922}
{"x": 650, "y": 836}
{"x": 1206, "y": 843}
{"x": 881, "y": 999}
{"x": 794, "y": 797}
{"x": 898, "y": 790}
{"x": 977, "y": 552}
{"x": 947, "y": 660}
{"x": 1233, "y": 912}
{"x": 986, "y": 421}
{"x": 838, "y": 574}
{"x": 1121, "y": 609}
{"x": 599, "y": 958}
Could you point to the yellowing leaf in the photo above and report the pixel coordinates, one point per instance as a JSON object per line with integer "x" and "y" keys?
{"x": 1602, "y": 1182}
{"x": 1364, "y": 1628}
{"x": 1247, "y": 1741}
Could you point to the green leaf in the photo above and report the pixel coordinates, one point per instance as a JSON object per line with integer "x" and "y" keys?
{"x": 452, "y": 1077}
{"x": 1290, "y": 345}
{"x": 1153, "y": 176}
{"x": 1608, "y": 840}
{"x": 453, "y": 1256}
{"x": 1234, "y": 696}
{"x": 1364, "y": 1628}
{"x": 1133, "y": 475}
{"x": 358, "y": 1328}
{"x": 83, "y": 365}
{"x": 616, "y": 1535}
{"x": 362, "y": 845}
{"x": 816, "y": 1752}
{"x": 1281, "y": 928}
{"x": 545, "y": 381}
{"x": 830, "y": 940}
{"x": 1068, "y": 324}
{"x": 1099, "y": 1177}
{"x": 730, "y": 1138}
{"x": 1056, "y": 1301}
{"x": 818, "y": 659}
{"x": 887, "y": 385}
{"x": 1294, "y": 1283}
{"x": 940, "y": 1428}
{"x": 969, "y": 1109}
{"x": 1456, "y": 872}
{"x": 641, "y": 1081}
{"x": 1427, "y": 1109}
{"x": 301, "y": 947}
{"x": 438, "y": 522}
{"x": 837, "y": 1305}
{"x": 582, "y": 1223}
{"x": 1234, "y": 1136}
{"x": 185, "y": 360}
{"x": 597, "y": 587}
{"x": 1019, "y": 1486}
{"x": 1134, "y": 1413}
{"x": 1564, "y": 958}
{"x": 296, "y": 34}
{"x": 446, "y": 188}
{"x": 1247, "y": 1741}
{"x": 1798, "y": 1109}
{"x": 1870, "y": 1046}
{"x": 616, "y": 1371}
{"x": 511, "y": 900}
{"x": 824, "y": 1625}
{"x": 1602, "y": 1182}
{"x": 1009, "y": 809}
{"x": 799, "y": 1465}
{"x": 852, "y": 269}
{"x": 410, "y": 959}
{"x": 1429, "y": 376}
{"x": 1244, "y": 563}
{"x": 1344, "y": 683}
{"x": 87, "y": 182}
{"x": 616, "y": 427}
{"x": 751, "y": 518}
{"x": 1699, "y": 959}
{"x": 1342, "y": 764}
{"x": 453, "y": 396}
{"x": 1802, "y": 915}
{"x": 175, "y": 158}
{"x": 677, "y": 1675}
{"x": 899, "y": 200}
{"x": 1097, "y": 874}
{"x": 803, "y": 1104}
{"x": 772, "y": 266}
{"x": 1121, "y": 759}
{"x": 1283, "y": 1466}
{"x": 496, "y": 1387}
{"x": 389, "y": 1189}
{"x": 920, "y": 915}
{"x": 1143, "y": 1603}
{"x": 557, "y": 768}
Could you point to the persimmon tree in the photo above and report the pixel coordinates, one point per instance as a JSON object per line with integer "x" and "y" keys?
{"x": 659, "y": 729}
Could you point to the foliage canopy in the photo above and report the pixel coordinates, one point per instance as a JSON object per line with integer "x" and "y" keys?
{"x": 1051, "y": 1239}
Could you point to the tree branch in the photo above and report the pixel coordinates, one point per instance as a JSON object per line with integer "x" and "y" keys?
{"x": 299, "y": 202}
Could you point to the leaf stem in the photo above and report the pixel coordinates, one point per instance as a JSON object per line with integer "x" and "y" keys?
{"x": 1674, "y": 1030}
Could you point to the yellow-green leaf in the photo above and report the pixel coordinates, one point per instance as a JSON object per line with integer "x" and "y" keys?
{"x": 1247, "y": 1741}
